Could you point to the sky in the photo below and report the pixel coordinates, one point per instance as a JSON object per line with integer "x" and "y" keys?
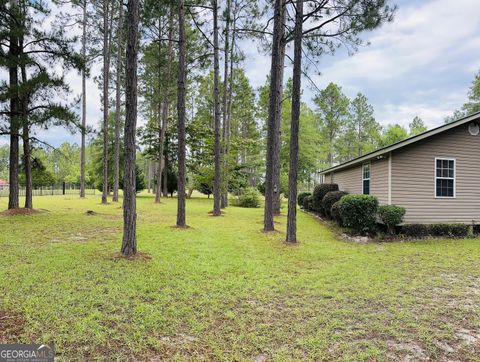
{"x": 421, "y": 64}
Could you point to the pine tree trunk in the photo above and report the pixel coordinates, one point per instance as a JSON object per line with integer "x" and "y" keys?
{"x": 84, "y": 100}
{"x": 13, "y": 192}
{"x": 129, "y": 243}
{"x": 161, "y": 106}
{"x": 294, "y": 126}
{"x": 181, "y": 115}
{"x": 27, "y": 161}
{"x": 216, "y": 99}
{"x": 272, "y": 129}
{"x": 165, "y": 172}
{"x": 230, "y": 96}
{"x": 224, "y": 197}
{"x": 118, "y": 108}
{"x": 106, "y": 75}
{"x": 278, "y": 125}
{"x": 149, "y": 176}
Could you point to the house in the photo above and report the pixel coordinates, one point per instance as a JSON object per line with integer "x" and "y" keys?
{"x": 3, "y": 184}
{"x": 434, "y": 175}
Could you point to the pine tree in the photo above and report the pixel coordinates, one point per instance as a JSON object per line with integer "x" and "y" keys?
{"x": 129, "y": 243}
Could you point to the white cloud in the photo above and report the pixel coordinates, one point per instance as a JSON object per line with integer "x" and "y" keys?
{"x": 421, "y": 64}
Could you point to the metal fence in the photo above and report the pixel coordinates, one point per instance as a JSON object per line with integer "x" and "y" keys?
{"x": 59, "y": 189}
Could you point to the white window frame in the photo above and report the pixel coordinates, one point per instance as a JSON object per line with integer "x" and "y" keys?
{"x": 365, "y": 179}
{"x": 454, "y": 178}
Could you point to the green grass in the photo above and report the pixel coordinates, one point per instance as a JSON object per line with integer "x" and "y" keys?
{"x": 223, "y": 290}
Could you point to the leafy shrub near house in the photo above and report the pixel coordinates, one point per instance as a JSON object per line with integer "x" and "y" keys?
{"x": 438, "y": 230}
{"x": 301, "y": 197}
{"x": 391, "y": 216}
{"x": 449, "y": 230}
{"x": 359, "y": 212}
{"x": 329, "y": 199}
{"x": 335, "y": 213}
{"x": 248, "y": 198}
{"x": 308, "y": 203}
{"x": 319, "y": 193}
{"x": 415, "y": 230}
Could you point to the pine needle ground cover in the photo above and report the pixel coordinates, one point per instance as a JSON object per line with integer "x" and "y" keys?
{"x": 223, "y": 290}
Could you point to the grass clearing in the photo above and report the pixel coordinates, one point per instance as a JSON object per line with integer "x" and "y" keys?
{"x": 223, "y": 290}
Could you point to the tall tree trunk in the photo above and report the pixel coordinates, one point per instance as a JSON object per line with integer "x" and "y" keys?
{"x": 230, "y": 95}
{"x": 118, "y": 106}
{"x": 13, "y": 193}
{"x": 216, "y": 99}
{"x": 27, "y": 161}
{"x": 27, "y": 164}
{"x": 165, "y": 171}
{"x": 224, "y": 200}
{"x": 295, "y": 125}
{"x": 149, "y": 176}
{"x": 106, "y": 76}
{"x": 161, "y": 106}
{"x": 271, "y": 186}
{"x": 84, "y": 99}
{"x": 278, "y": 125}
{"x": 165, "y": 109}
{"x": 129, "y": 243}
{"x": 181, "y": 115}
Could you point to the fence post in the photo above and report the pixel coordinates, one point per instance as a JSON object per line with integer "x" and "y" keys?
{"x": 63, "y": 187}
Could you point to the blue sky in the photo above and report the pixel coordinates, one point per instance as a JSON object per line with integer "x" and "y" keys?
{"x": 421, "y": 64}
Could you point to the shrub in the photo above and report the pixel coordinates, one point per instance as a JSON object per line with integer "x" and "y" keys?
{"x": 301, "y": 197}
{"x": 450, "y": 230}
{"x": 306, "y": 202}
{"x": 329, "y": 199}
{"x": 248, "y": 198}
{"x": 391, "y": 216}
{"x": 415, "y": 230}
{"x": 319, "y": 193}
{"x": 335, "y": 213}
{"x": 359, "y": 212}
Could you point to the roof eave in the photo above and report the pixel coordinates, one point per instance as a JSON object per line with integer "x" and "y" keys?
{"x": 406, "y": 142}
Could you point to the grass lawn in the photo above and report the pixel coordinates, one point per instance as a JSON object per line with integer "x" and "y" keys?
{"x": 223, "y": 290}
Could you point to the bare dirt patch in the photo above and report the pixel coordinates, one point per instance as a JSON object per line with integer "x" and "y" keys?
{"x": 12, "y": 325}
{"x": 22, "y": 211}
{"x": 139, "y": 256}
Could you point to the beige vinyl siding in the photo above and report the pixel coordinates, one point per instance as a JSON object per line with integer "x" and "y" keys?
{"x": 327, "y": 179}
{"x": 379, "y": 180}
{"x": 413, "y": 178}
{"x": 350, "y": 179}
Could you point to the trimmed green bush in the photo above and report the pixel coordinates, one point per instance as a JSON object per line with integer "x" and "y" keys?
{"x": 319, "y": 193}
{"x": 307, "y": 203}
{"x": 450, "y": 230}
{"x": 335, "y": 213}
{"x": 359, "y": 212}
{"x": 329, "y": 199}
{"x": 301, "y": 197}
{"x": 415, "y": 230}
{"x": 249, "y": 198}
{"x": 391, "y": 216}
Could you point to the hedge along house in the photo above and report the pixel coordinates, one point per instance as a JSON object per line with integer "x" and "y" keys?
{"x": 434, "y": 175}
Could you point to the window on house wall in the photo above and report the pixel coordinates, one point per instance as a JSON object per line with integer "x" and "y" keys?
{"x": 366, "y": 178}
{"x": 444, "y": 177}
